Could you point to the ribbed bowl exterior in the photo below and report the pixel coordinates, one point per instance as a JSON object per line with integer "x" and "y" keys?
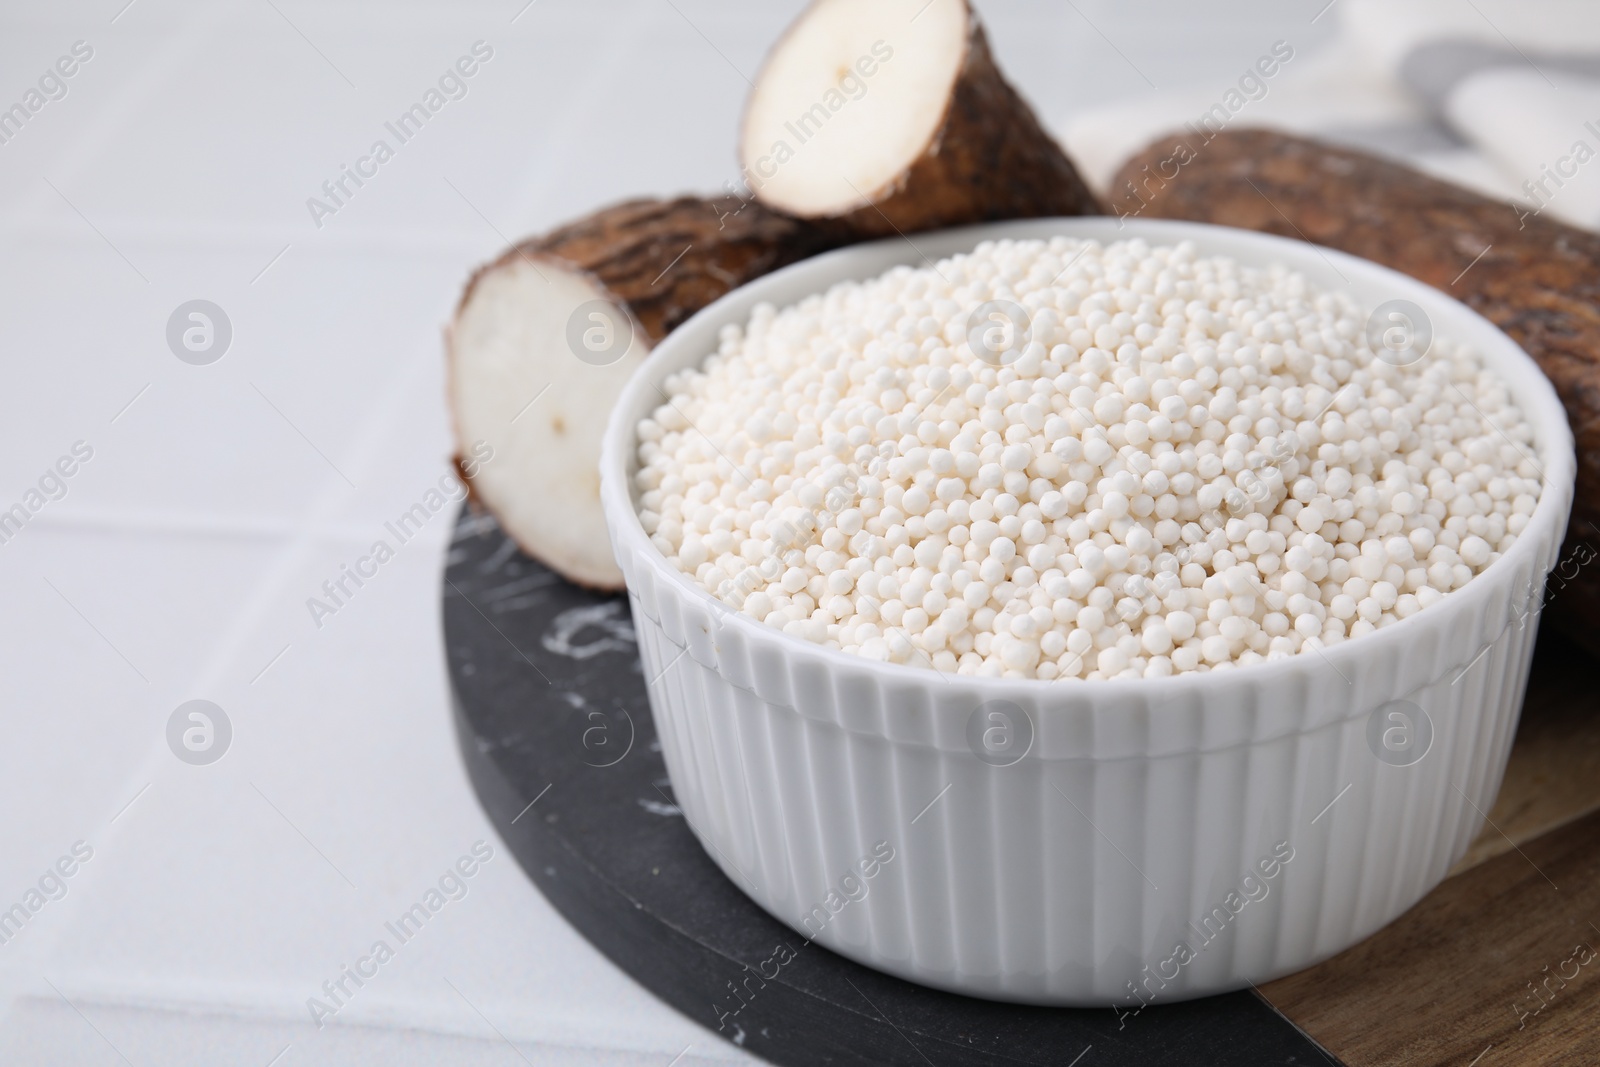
{"x": 1264, "y": 818}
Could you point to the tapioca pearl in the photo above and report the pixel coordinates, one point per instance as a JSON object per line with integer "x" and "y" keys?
{"x": 1299, "y": 408}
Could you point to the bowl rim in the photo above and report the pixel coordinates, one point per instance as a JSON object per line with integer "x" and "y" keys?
{"x": 1532, "y": 391}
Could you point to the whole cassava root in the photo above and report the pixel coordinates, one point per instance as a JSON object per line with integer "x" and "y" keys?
{"x": 893, "y": 117}
{"x": 1537, "y": 280}
{"x": 546, "y": 335}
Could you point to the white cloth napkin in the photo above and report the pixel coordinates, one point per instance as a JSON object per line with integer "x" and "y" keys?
{"x": 1501, "y": 98}
{"x": 1536, "y": 115}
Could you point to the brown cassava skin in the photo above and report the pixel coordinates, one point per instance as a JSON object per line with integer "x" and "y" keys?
{"x": 988, "y": 159}
{"x": 1539, "y": 281}
{"x": 663, "y": 260}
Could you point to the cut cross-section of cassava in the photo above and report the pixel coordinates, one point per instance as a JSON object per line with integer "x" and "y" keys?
{"x": 546, "y": 335}
{"x": 892, "y": 116}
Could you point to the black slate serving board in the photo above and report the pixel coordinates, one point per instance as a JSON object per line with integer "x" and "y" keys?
{"x": 556, "y": 733}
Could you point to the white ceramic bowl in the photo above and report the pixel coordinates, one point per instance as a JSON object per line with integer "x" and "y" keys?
{"x": 1264, "y": 817}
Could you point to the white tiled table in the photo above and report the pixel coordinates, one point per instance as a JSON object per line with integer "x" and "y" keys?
{"x": 220, "y": 497}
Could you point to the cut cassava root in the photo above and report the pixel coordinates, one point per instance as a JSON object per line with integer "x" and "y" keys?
{"x": 1536, "y": 279}
{"x": 893, "y": 116}
{"x": 546, "y": 335}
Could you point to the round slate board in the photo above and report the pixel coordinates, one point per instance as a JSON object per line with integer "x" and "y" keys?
{"x": 555, "y": 729}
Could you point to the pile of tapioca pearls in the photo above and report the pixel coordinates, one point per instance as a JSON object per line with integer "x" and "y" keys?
{"x": 1178, "y": 464}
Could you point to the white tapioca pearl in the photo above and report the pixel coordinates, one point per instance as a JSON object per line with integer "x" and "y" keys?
{"x": 1053, "y": 487}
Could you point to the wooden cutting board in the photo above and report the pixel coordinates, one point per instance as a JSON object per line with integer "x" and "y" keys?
{"x": 1498, "y": 965}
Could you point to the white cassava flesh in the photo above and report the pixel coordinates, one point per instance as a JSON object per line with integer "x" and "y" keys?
{"x": 892, "y": 116}
{"x": 888, "y": 79}
{"x": 517, "y": 387}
